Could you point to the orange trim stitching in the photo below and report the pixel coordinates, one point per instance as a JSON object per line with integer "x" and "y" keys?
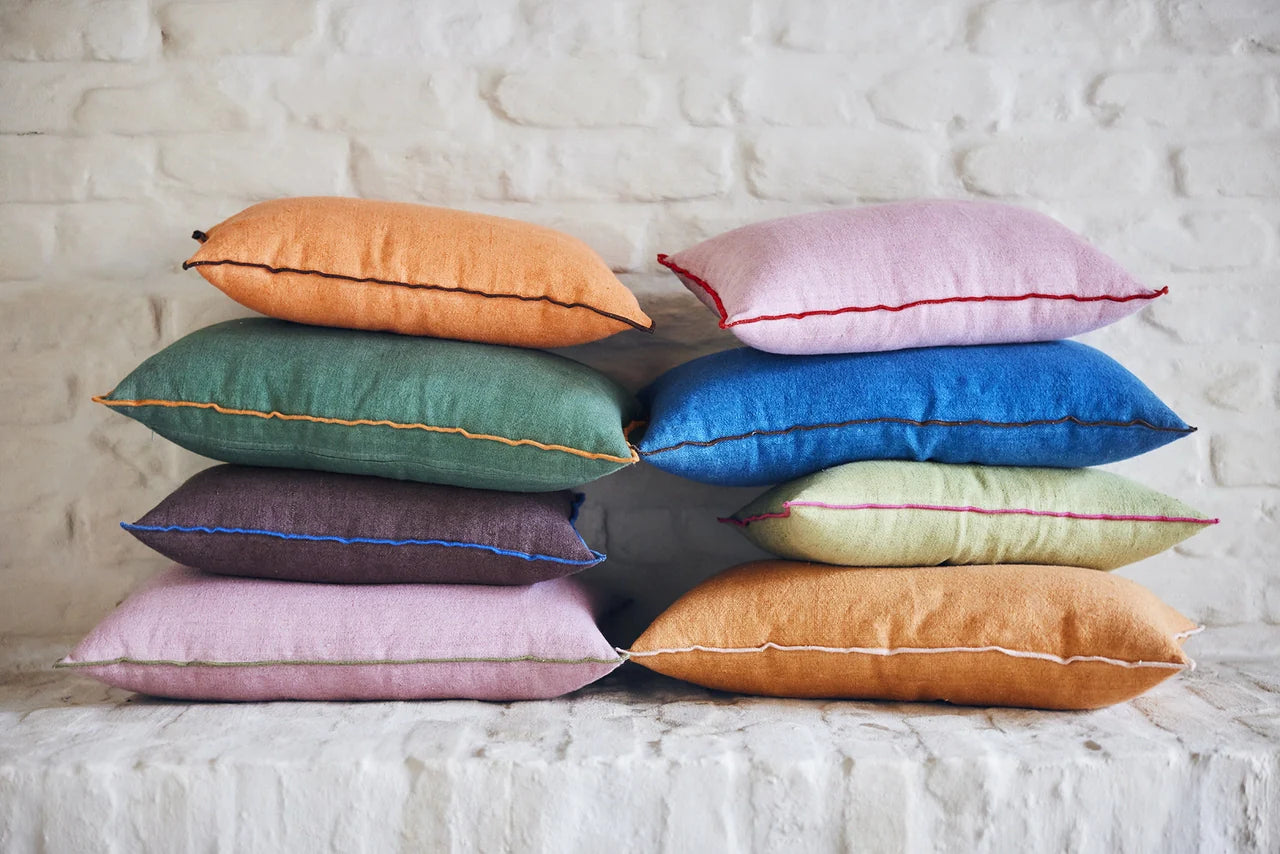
{"x": 361, "y": 422}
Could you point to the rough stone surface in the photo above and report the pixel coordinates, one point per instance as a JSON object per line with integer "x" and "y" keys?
{"x": 638, "y": 762}
{"x": 1149, "y": 125}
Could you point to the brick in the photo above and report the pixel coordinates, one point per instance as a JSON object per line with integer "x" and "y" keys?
{"x": 427, "y": 29}
{"x": 441, "y": 169}
{"x": 1186, "y": 97}
{"x": 806, "y": 93}
{"x": 835, "y": 166}
{"x": 66, "y": 29}
{"x": 1208, "y": 240}
{"x": 1060, "y": 165}
{"x": 36, "y": 395}
{"x": 238, "y": 27}
{"x": 45, "y": 531}
{"x": 26, "y": 241}
{"x": 174, "y": 103}
{"x": 579, "y": 94}
{"x": 1202, "y": 311}
{"x": 1051, "y": 92}
{"x": 1104, "y": 28}
{"x": 41, "y": 168}
{"x": 1226, "y": 26}
{"x": 684, "y": 28}
{"x": 298, "y": 163}
{"x": 119, "y": 240}
{"x": 838, "y": 26}
{"x": 711, "y": 97}
{"x": 956, "y": 94}
{"x": 44, "y": 322}
{"x": 582, "y": 28}
{"x": 1236, "y": 168}
{"x": 41, "y": 97}
{"x": 640, "y": 166}
{"x": 1237, "y": 386}
{"x": 1245, "y": 458}
{"x": 361, "y": 97}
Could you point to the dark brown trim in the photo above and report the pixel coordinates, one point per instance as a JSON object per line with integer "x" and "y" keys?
{"x": 187, "y": 265}
{"x": 1137, "y": 422}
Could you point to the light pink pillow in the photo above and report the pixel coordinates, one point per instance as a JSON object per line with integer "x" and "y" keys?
{"x": 208, "y": 637}
{"x": 908, "y": 274}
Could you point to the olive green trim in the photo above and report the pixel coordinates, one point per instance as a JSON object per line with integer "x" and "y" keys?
{"x": 278, "y": 662}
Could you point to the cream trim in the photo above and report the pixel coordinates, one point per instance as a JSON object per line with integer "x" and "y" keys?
{"x": 882, "y": 651}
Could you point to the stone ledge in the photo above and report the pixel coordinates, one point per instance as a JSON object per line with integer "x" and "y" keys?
{"x": 640, "y": 763}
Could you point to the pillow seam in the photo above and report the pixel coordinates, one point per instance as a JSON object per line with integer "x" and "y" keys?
{"x": 725, "y": 323}
{"x": 1064, "y": 514}
{"x": 348, "y": 541}
{"x": 882, "y": 652}
{"x": 365, "y": 422}
{"x": 186, "y": 265}
{"x": 932, "y": 422}
{"x": 350, "y": 663}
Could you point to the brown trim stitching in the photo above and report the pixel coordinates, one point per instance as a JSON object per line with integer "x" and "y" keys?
{"x": 1137, "y": 422}
{"x": 187, "y": 265}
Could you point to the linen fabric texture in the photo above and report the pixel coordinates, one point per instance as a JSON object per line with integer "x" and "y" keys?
{"x": 1009, "y": 635}
{"x": 898, "y": 513}
{"x": 269, "y": 393}
{"x": 193, "y": 636}
{"x": 907, "y": 274}
{"x": 298, "y": 525}
{"x": 748, "y": 418}
{"x": 417, "y": 270}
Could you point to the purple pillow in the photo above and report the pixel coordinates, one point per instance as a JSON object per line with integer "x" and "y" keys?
{"x": 909, "y": 274}
{"x": 301, "y": 525}
{"x": 194, "y": 636}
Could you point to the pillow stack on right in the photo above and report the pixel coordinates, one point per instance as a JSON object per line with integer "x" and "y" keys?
{"x": 941, "y": 534}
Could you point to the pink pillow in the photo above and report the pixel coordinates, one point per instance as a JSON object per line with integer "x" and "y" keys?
{"x": 209, "y": 637}
{"x": 909, "y": 274}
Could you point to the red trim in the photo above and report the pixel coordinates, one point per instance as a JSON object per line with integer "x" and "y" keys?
{"x": 665, "y": 260}
{"x": 725, "y": 323}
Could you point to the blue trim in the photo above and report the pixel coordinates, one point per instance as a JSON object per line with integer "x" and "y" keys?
{"x": 200, "y": 529}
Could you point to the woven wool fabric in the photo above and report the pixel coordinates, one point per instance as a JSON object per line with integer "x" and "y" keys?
{"x": 1032, "y": 636}
{"x": 417, "y": 270}
{"x": 747, "y": 418}
{"x": 194, "y": 636}
{"x": 896, "y": 513}
{"x": 908, "y": 274}
{"x": 298, "y": 525}
{"x": 264, "y": 392}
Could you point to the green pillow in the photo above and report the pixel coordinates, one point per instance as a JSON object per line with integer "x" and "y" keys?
{"x": 900, "y": 513}
{"x": 269, "y": 393}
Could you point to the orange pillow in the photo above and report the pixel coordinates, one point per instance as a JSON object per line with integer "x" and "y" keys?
{"x": 416, "y": 270}
{"x": 1041, "y": 637}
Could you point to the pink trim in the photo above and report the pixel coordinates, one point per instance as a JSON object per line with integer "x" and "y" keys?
{"x": 1106, "y": 517}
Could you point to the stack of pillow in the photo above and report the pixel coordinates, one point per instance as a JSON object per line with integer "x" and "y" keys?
{"x": 943, "y": 538}
{"x": 395, "y": 522}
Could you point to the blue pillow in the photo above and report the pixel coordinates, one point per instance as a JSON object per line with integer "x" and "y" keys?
{"x": 749, "y": 418}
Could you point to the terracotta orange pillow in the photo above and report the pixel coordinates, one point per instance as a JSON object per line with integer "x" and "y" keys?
{"x": 1007, "y": 635}
{"x": 416, "y": 270}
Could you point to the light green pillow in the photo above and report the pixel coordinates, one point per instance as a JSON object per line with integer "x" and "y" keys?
{"x": 900, "y": 513}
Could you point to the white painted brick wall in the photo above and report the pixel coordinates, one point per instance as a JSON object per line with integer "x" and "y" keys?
{"x": 1151, "y": 126}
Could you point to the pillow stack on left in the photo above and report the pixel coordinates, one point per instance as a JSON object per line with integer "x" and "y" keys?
{"x": 395, "y": 522}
